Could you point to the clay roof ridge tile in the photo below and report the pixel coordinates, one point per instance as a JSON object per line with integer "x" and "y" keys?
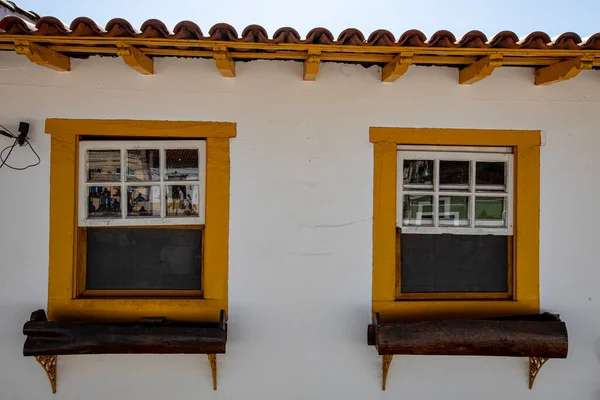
{"x": 535, "y": 40}
{"x": 442, "y": 38}
{"x": 319, "y": 36}
{"x": 13, "y": 25}
{"x": 187, "y": 30}
{"x": 154, "y": 28}
{"x": 120, "y": 27}
{"x": 473, "y": 39}
{"x": 51, "y": 26}
{"x": 84, "y": 26}
{"x": 286, "y": 35}
{"x": 224, "y": 32}
{"x": 351, "y": 36}
{"x": 413, "y": 38}
{"x": 566, "y": 41}
{"x": 591, "y": 42}
{"x": 504, "y": 40}
{"x": 381, "y": 37}
{"x": 255, "y": 33}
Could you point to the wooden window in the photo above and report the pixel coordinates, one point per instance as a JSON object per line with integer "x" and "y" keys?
{"x": 134, "y": 199}
{"x": 456, "y": 222}
{"x": 138, "y": 220}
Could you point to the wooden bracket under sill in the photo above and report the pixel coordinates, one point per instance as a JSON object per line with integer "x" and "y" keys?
{"x": 47, "y": 340}
{"x": 538, "y": 337}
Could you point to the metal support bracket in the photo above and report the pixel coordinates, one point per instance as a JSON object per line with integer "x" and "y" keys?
{"x": 49, "y": 365}
{"x": 386, "y": 361}
{"x": 212, "y": 359}
{"x": 535, "y": 364}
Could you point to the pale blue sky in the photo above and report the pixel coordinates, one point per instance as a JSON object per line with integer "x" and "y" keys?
{"x": 459, "y": 16}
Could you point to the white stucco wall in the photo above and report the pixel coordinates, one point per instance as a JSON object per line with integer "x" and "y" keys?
{"x": 300, "y": 239}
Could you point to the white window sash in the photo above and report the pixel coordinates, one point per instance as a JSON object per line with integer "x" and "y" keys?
{"x": 455, "y": 153}
{"x": 123, "y": 146}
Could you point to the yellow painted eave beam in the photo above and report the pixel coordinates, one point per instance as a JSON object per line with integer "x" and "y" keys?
{"x": 311, "y": 65}
{"x": 43, "y": 56}
{"x": 480, "y": 69}
{"x": 224, "y": 61}
{"x": 397, "y": 67}
{"x": 562, "y": 71}
{"x": 136, "y": 59}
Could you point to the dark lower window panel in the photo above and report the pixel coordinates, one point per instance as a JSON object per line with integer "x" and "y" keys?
{"x": 453, "y": 263}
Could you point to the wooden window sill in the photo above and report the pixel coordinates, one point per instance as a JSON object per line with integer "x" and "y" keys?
{"x": 48, "y": 339}
{"x": 539, "y": 337}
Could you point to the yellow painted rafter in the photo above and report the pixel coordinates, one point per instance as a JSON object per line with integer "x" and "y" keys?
{"x": 135, "y": 59}
{"x": 311, "y": 65}
{"x": 562, "y": 71}
{"x": 224, "y": 61}
{"x": 43, "y": 56}
{"x": 397, "y": 67}
{"x": 480, "y": 69}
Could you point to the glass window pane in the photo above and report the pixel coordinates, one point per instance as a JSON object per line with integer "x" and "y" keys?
{"x": 454, "y": 175}
{"x": 182, "y": 165}
{"x": 143, "y": 165}
{"x": 143, "y": 201}
{"x": 418, "y": 174}
{"x": 454, "y": 211}
{"x": 182, "y": 200}
{"x": 418, "y": 210}
{"x": 103, "y": 165}
{"x": 104, "y": 202}
{"x": 490, "y": 212}
{"x": 490, "y": 176}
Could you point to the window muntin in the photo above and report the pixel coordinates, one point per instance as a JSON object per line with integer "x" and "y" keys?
{"x": 160, "y": 182}
{"x": 458, "y": 190}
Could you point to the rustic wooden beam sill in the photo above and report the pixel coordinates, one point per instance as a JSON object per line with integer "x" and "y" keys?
{"x": 538, "y": 337}
{"x": 46, "y": 340}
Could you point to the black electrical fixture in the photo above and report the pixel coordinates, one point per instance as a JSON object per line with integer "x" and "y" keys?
{"x": 21, "y": 139}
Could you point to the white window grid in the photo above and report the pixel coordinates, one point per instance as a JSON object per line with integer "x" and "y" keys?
{"x": 123, "y": 146}
{"x": 455, "y": 153}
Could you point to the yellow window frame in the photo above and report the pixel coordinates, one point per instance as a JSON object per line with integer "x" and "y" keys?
{"x": 525, "y": 299}
{"x": 63, "y": 304}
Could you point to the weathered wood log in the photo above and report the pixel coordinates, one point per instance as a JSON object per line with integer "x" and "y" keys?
{"x": 526, "y": 336}
{"x": 150, "y": 335}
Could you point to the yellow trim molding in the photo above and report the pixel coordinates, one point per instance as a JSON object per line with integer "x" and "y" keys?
{"x": 526, "y": 146}
{"x": 63, "y": 304}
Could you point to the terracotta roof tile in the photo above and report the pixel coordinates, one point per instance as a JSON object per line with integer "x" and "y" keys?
{"x": 351, "y": 36}
{"x": 84, "y": 26}
{"x": 187, "y": 30}
{"x": 442, "y": 39}
{"x": 566, "y": 41}
{"x": 286, "y": 35}
{"x": 255, "y": 33}
{"x": 381, "y": 37}
{"x": 413, "y": 37}
{"x": 224, "y": 32}
{"x": 535, "y": 40}
{"x": 473, "y": 39}
{"x": 319, "y": 36}
{"x": 119, "y": 27}
{"x": 16, "y": 26}
{"x": 591, "y": 42}
{"x": 51, "y": 26}
{"x": 505, "y": 40}
{"x": 154, "y": 28}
